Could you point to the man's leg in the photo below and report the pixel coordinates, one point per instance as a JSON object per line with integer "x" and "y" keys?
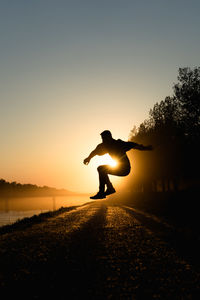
{"x": 103, "y": 181}
{"x": 103, "y": 178}
{"x": 122, "y": 171}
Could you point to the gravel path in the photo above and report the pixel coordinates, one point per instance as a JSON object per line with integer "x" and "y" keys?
{"x": 101, "y": 250}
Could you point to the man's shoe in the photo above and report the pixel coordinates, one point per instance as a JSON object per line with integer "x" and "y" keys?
{"x": 99, "y": 195}
{"x": 110, "y": 191}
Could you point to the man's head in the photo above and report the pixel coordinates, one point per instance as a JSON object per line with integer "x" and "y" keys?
{"x": 106, "y": 135}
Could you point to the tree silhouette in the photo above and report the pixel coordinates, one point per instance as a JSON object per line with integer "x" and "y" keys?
{"x": 187, "y": 93}
{"x": 18, "y": 189}
{"x": 173, "y": 129}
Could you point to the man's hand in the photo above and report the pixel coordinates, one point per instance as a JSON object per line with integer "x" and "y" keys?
{"x": 149, "y": 147}
{"x": 86, "y": 161}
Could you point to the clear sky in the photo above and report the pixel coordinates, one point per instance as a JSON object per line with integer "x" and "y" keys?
{"x": 70, "y": 69}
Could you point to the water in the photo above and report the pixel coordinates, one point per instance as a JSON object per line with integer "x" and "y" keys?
{"x": 13, "y": 209}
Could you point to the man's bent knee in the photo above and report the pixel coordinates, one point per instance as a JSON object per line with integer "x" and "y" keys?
{"x": 102, "y": 169}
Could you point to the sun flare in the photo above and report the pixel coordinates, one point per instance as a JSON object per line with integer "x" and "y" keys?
{"x": 105, "y": 160}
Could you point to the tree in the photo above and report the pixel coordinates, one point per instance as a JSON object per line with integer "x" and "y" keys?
{"x": 173, "y": 129}
{"x": 187, "y": 93}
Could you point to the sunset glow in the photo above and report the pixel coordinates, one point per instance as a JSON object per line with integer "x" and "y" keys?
{"x": 105, "y": 160}
{"x": 70, "y": 70}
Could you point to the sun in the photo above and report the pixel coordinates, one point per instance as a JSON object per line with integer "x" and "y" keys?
{"x": 105, "y": 160}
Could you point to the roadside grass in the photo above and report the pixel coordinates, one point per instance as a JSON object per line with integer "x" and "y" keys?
{"x": 35, "y": 219}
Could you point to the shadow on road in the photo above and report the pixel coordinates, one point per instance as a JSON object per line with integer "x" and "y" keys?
{"x": 185, "y": 242}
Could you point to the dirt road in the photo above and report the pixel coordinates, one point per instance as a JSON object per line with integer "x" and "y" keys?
{"x": 102, "y": 250}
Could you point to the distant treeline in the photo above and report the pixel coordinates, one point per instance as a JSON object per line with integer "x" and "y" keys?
{"x": 18, "y": 189}
{"x": 172, "y": 128}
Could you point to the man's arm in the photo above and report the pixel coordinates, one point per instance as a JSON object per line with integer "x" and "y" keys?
{"x": 98, "y": 151}
{"x": 87, "y": 160}
{"x": 140, "y": 146}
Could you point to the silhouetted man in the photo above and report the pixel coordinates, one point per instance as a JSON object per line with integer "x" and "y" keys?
{"x": 117, "y": 150}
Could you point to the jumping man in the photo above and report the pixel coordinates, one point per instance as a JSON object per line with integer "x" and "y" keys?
{"x": 117, "y": 150}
